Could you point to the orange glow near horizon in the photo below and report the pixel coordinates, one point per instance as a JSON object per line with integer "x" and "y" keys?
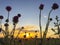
{"x": 32, "y": 33}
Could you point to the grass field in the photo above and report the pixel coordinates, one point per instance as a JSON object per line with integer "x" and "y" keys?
{"x": 33, "y": 41}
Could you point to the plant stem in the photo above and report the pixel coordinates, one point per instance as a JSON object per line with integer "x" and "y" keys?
{"x": 8, "y": 15}
{"x": 40, "y": 26}
{"x": 18, "y": 33}
{"x": 46, "y": 29}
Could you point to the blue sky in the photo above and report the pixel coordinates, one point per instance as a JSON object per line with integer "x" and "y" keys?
{"x": 29, "y": 9}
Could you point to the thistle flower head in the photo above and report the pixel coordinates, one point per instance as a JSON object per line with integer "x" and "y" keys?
{"x": 6, "y": 24}
{"x": 56, "y": 17}
{"x": 22, "y": 27}
{"x": 8, "y": 8}
{"x": 41, "y": 6}
{"x": 55, "y": 6}
{"x": 7, "y": 20}
{"x": 35, "y": 31}
{"x": 15, "y": 19}
{"x": 50, "y": 19}
{"x": 19, "y": 15}
{"x": 0, "y": 29}
{"x": 1, "y": 17}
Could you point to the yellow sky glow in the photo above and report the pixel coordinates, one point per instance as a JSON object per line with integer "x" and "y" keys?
{"x": 29, "y": 29}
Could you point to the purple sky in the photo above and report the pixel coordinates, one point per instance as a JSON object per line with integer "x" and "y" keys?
{"x": 29, "y": 9}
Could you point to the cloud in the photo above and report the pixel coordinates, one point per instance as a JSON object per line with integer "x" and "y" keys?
{"x": 45, "y": 16}
{"x": 30, "y": 27}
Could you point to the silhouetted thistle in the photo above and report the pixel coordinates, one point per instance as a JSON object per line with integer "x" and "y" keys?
{"x": 50, "y": 19}
{"x": 41, "y": 6}
{"x": 0, "y": 29}
{"x": 55, "y": 6}
{"x": 15, "y": 19}
{"x": 7, "y": 20}
{"x": 1, "y": 17}
{"x": 19, "y": 31}
{"x": 56, "y": 18}
{"x": 19, "y": 15}
{"x": 22, "y": 27}
{"x": 6, "y": 24}
{"x": 36, "y": 31}
{"x": 24, "y": 36}
{"x": 57, "y": 24}
{"x": 8, "y": 8}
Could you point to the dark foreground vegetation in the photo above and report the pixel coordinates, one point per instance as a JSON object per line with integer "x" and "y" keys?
{"x": 32, "y": 41}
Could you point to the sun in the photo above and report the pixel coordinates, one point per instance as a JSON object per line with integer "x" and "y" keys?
{"x": 27, "y": 34}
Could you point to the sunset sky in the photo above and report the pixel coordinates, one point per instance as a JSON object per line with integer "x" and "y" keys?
{"x": 29, "y": 10}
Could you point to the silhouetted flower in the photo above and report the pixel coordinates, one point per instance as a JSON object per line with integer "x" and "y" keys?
{"x": 7, "y": 20}
{"x": 36, "y": 36}
{"x": 19, "y": 15}
{"x": 6, "y": 24}
{"x": 15, "y": 19}
{"x": 1, "y": 17}
{"x": 41, "y": 6}
{"x": 22, "y": 27}
{"x": 8, "y": 8}
{"x": 35, "y": 31}
{"x": 56, "y": 18}
{"x": 50, "y": 19}
{"x": 54, "y": 23}
{"x": 0, "y": 29}
{"x": 55, "y": 6}
{"x": 24, "y": 36}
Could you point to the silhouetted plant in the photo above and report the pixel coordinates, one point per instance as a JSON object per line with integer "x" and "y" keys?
{"x": 8, "y": 36}
{"x": 19, "y": 31}
{"x": 24, "y": 36}
{"x": 1, "y": 17}
{"x": 54, "y": 7}
{"x": 36, "y": 37}
{"x": 15, "y": 21}
{"x": 6, "y": 29}
{"x": 56, "y": 24}
{"x": 0, "y": 29}
{"x": 40, "y": 8}
{"x": 8, "y": 8}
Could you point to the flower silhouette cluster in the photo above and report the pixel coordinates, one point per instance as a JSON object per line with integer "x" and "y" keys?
{"x": 54, "y": 7}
